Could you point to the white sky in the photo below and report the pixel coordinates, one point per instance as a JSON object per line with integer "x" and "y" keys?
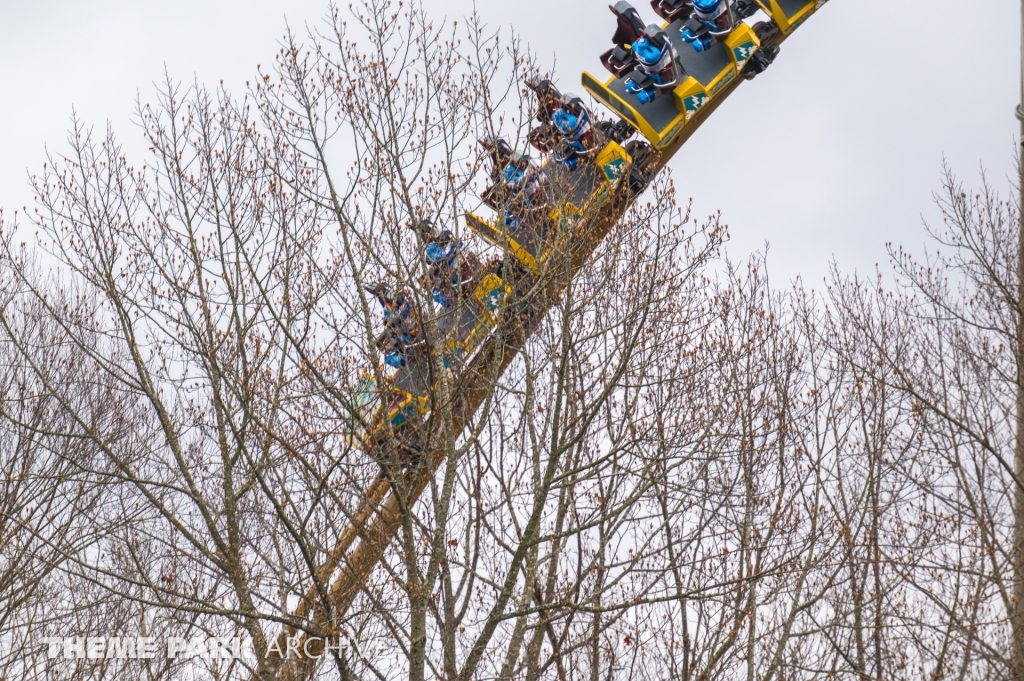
{"x": 834, "y": 151}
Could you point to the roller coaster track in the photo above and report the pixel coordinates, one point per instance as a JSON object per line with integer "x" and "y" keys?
{"x": 377, "y": 519}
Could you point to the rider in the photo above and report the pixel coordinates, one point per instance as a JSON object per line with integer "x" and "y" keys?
{"x": 711, "y": 18}
{"x": 516, "y": 181}
{"x": 401, "y": 329}
{"x": 657, "y": 68}
{"x": 568, "y": 128}
{"x": 549, "y": 100}
{"x": 576, "y": 135}
{"x": 450, "y": 269}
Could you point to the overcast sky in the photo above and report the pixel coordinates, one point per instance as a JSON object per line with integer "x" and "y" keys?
{"x": 831, "y": 153}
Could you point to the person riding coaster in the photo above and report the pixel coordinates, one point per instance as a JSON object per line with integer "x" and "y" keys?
{"x": 578, "y": 138}
{"x": 568, "y": 129}
{"x": 658, "y": 69}
{"x": 451, "y": 270}
{"x": 516, "y": 190}
{"x": 549, "y": 100}
{"x": 643, "y": 55}
{"x": 401, "y": 328}
{"x": 713, "y": 20}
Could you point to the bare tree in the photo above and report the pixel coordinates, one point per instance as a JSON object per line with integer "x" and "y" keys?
{"x": 635, "y": 459}
{"x": 222, "y": 310}
{"x": 943, "y": 343}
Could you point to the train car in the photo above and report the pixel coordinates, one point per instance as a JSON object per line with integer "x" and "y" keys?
{"x": 705, "y": 74}
{"x": 567, "y": 195}
{"x": 463, "y": 326}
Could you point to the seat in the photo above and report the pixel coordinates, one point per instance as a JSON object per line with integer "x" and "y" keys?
{"x": 619, "y": 60}
{"x": 671, "y": 10}
{"x": 630, "y": 25}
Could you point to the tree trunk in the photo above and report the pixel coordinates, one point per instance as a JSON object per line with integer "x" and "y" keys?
{"x": 1017, "y": 614}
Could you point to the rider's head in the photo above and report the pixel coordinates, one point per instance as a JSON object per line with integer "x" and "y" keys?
{"x": 512, "y": 175}
{"x": 440, "y": 253}
{"x": 403, "y": 302}
{"x": 647, "y": 52}
{"x": 565, "y": 121}
{"x": 707, "y": 5}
